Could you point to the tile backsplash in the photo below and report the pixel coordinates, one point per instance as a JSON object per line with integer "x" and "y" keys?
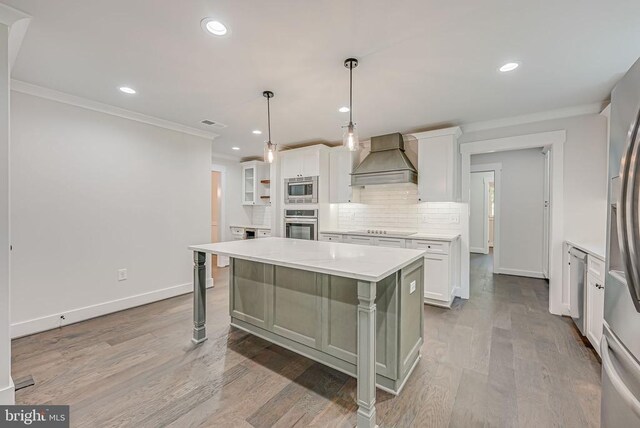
{"x": 261, "y": 215}
{"x": 396, "y": 207}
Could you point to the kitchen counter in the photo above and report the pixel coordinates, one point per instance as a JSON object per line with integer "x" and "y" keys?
{"x": 417, "y": 235}
{"x": 354, "y": 308}
{"x": 596, "y": 250}
{"x": 350, "y": 261}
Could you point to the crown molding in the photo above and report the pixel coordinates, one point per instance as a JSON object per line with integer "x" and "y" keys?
{"x": 454, "y": 130}
{"x": 51, "y": 94}
{"x": 594, "y": 108}
{"x": 18, "y": 22}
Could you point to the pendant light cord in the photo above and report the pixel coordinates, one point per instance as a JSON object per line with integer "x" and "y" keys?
{"x": 350, "y": 93}
{"x": 269, "y": 119}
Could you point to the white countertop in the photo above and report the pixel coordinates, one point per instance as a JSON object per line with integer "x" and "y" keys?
{"x": 597, "y": 250}
{"x": 361, "y": 262}
{"x": 251, "y": 226}
{"x": 416, "y": 235}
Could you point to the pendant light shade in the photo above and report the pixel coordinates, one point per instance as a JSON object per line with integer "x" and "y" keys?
{"x": 350, "y": 137}
{"x": 270, "y": 149}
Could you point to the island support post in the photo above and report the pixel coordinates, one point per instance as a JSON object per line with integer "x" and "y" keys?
{"x": 199, "y": 297}
{"x": 366, "y": 355}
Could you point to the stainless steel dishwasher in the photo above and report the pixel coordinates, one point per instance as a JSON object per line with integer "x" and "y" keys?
{"x": 577, "y": 278}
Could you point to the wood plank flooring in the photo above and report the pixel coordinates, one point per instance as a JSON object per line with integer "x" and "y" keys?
{"x": 497, "y": 360}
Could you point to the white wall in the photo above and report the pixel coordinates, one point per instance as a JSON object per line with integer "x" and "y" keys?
{"x": 478, "y": 211}
{"x": 93, "y": 193}
{"x": 521, "y": 210}
{"x": 585, "y": 172}
{"x": 233, "y": 212}
{"x": 6, "y": 385}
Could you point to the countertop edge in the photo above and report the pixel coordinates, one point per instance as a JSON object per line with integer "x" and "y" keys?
{"x": 417, "y": 235}
{"x": 294, "y": 265}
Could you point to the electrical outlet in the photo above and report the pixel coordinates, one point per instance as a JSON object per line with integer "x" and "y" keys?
{"x": 454, "y": 218}
{"x": 412, "y": 287}
{"x": 425, "y": 218}
{"x": 122, "y": 274}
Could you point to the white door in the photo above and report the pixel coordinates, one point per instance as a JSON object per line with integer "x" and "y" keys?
{"x": 546, "y": 216}
{"x": 248, "y": 185}
{"x": 436, "y": 277}
{"x": 310, "y": 163}
{"x": 479, "y": 212}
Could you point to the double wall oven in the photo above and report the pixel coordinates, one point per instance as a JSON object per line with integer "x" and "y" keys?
{"x": 301, "y": 224}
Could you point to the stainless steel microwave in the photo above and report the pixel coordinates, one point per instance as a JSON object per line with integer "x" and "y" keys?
{"x": 301, "y": 190}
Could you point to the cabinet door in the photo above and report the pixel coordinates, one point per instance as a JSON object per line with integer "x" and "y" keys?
{"x": 363, "y": 240}
{"x": 291, "y": 165}
{"x": 436, "y": 169}
{"x": 310, "y": 163}
{"x": 595, "y": 310}
{"x": 249, "y": 185}
{"x": 330, "y": 237}
{"x": 436, "y": 277}
{"x": 389, "y": 242}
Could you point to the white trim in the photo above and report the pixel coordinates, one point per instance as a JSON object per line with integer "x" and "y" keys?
{"x": 222, "y": 261}
{"x": 519, "y": 272}
{"x": 478, "y": 250}
{"x": 7, "y": 394}
{"x": 36, "y": 325}
{"x": 61, "y": 97}
{"x": 497, "y": 186}
{"x": 555, "y": 140}
{"x": 534, "y": 117}
{"x": 10, "y": 15}
{"x": 455, "y": 131}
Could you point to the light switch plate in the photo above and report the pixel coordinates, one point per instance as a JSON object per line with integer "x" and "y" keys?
{"x": 412, "y": 287}
{"x": 122, "y": 274}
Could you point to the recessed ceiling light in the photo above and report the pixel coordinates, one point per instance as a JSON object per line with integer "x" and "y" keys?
{"x": 127, "y": 90}
{"x": 214, "y": 27}
{"x": 343, "y": 109}
{"x": 235, "y": 148}
{"x": 257, "y": 131}
{"x": 510, "y": 66}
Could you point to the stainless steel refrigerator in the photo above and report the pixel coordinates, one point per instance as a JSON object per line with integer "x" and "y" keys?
{"x": 620, "y": 347}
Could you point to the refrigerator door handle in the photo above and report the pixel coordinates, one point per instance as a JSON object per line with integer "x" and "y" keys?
{"x": 617, "y": 382}
{"x": 628, "y": 217}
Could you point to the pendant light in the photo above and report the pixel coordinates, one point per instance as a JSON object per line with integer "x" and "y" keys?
{"x": 270, "y": 149}
{"x": 350, "y": 137}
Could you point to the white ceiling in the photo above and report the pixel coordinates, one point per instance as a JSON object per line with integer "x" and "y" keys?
{"x": 422, "y": 63}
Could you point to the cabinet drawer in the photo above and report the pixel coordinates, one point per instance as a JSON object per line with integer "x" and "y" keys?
{"x": 264, "y": 233}
{"x": 330, "y": 237}
{"x": 595, "y": 267}
{"x": 237, "y": 231}
{"x": 389, "y": 242}
{"x": 433, "y": 247}
{"x": 363, "y": 240}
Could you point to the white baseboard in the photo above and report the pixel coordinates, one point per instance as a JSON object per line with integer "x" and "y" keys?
{"x": 37, "y": 325}
{"x": 8, "y": 394}
{"x": 519, "y": 272}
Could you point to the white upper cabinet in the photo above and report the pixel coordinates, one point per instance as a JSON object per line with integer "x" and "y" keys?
{"x": 438, "y": 165}
{"x": 341, "y": 165}
{"x": 255, "y": 189}
{"x": 304, "y": 162}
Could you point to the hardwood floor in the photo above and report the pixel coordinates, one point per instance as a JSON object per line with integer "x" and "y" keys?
{"x": 499, "y": 359}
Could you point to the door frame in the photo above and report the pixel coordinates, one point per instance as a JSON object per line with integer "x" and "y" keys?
{"x": 496, "y": 168}
{"x": 222, "y": 223}
{"x": 554, "y": 140}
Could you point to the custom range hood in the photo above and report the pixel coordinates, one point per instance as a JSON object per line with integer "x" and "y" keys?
{"x": 386, "y": 164}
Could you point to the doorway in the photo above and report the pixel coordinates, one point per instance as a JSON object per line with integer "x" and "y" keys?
{"x": 481, "y": 212}
{"x": 553, "y": 144}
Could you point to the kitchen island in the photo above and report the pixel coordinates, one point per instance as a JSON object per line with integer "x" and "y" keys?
{"x": 354, "y": 308}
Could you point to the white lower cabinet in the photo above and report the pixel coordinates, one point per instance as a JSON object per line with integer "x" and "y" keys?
{"x": 362, "y": 240}
{"x": 263, "y": 233}
{"x": 389, "y": 242}
{"x": 441, "y": 267}
{"x": 333, "y": 237}
{"x": 437, "y": 280}
{"x": 595, "y": 302}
